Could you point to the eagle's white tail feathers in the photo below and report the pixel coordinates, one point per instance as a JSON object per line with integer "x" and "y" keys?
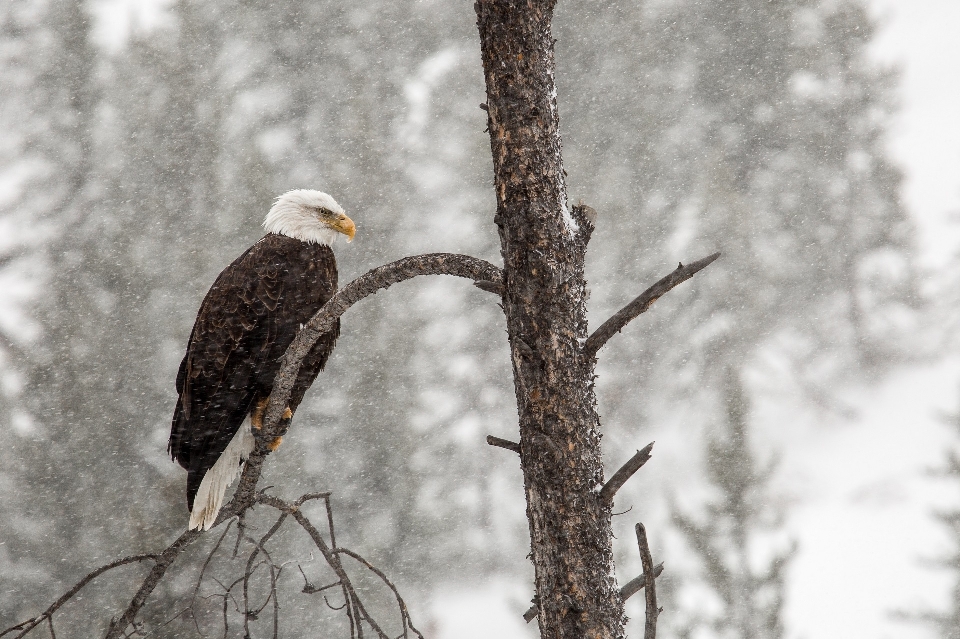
{"x": 209, "y": 499}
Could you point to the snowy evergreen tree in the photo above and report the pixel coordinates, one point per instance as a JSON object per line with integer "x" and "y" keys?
{"x": 727, "y": 539}
{"x": 947, "y": 623}
{"x": 52, "y": 112}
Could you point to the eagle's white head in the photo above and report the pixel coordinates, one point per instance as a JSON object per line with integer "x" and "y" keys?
{"x": 308, "y": 216}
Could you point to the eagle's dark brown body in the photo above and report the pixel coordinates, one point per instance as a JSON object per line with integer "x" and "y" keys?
{"x": 246, "y": 322}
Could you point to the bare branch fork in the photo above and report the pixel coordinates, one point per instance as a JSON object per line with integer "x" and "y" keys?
{"x": 246, "y": 495}
{"x": 644, "y": 301}
{"x": 331, "y": 555}
{"x": 353, "y": 603}
{"x": 628, "y": 590}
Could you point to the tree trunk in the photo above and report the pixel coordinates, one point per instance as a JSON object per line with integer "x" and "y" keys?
{"x": 543, "y": 247}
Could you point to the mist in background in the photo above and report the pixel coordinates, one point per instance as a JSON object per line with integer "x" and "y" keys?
{"x": 802, "y": 391}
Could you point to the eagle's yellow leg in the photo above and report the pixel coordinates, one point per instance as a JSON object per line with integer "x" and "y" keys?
{"x": 256, "y": 417}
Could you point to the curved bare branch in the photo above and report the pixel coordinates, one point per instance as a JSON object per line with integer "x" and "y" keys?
{"x": 367, "y": 284}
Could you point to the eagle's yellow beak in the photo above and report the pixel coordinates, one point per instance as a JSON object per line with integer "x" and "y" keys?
{"x": 346, "y": 226}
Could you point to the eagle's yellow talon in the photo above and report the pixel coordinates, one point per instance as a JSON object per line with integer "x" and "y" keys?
{"x": 275, "y": 444}
{"x": 256, "y": 417}
{"x": 287, "y": 414}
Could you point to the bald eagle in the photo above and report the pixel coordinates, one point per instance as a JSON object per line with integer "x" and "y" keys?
{"x": 245, "y": 323}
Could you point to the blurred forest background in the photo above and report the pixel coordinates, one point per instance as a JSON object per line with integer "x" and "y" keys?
{"x": 134, "y": 167}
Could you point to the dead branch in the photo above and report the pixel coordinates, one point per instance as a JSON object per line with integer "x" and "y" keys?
{"x": 405, "y": 619}
{"x": 26, "y": 626}
{"x": 625, "y": 472}
{"x": 164, "y": 560}
{"x": 491, "y": 287}
{"x": 628, "y": 590}
{"x": 243, "y": 498}
{"x": 650, "y": 590}
{"x": 644, "y": 301}
{"x": 503, "y": 443}
{"x": 356, "y": 610}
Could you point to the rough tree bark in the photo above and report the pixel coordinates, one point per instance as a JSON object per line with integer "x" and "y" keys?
{"x": 543, "y": 247}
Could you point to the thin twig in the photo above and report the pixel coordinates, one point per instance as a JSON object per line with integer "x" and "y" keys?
{"x": 206, "y": 563}
{"x": 503, "y": 443}
{"x": 241, "y": 526}
{"x": 650, "y": 589}
{"x": 332, "y": 560}
{"x": 309, "y": 588}
{"x": 276, "y": 601}
{"x": 404, "y": 611}
{"x": 333, "y": 535}
{"x": 625, "y": 472}
{"x": 258, "y": 546}
{"x": 644, "y": 301}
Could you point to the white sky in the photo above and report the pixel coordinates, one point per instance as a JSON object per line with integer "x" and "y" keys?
{"x": 923, "y": 38}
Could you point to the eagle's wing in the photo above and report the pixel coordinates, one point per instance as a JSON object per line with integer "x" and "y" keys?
{"x": 230, "y": 345}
